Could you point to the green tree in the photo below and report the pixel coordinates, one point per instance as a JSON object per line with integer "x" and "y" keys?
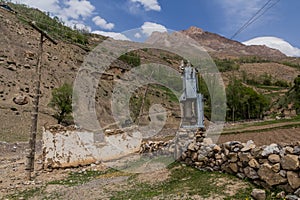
{"x": 61, "y": 102}
{"x": 243, "y": 102}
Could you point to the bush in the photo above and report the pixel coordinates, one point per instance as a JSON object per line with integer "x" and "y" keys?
{"x": 61, "y": 102}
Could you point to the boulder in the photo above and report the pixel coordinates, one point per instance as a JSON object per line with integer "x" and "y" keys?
{"x": 207, "y": 141}
{"x": 233, "y": 167}
{"x": 266, "y": 173}
{"x": 245, "y": 157}
{"x": 248, "y": 146}
{"x": 293, "y": 179}
{"x": 276, "y": 167}
{"x": 271, "y": 149}
{"x": 290, "y": 162}
{"x": 274, "y": 158}
{"x": 20, "y": 99}
{"x": 253, "y": 163}
{"x": 251, "y": 173}
{"x": 291, "y": 197}
{"x": 259, "y": 194}
{"x": 297, "y": 192}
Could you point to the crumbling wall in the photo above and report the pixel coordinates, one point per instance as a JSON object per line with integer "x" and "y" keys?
{"x": 68, "y": 147}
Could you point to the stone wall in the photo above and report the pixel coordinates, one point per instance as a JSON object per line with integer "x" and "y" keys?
{"x": 268, "y": 166}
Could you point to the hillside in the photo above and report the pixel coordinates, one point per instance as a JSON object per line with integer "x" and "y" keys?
{"x": 18, "y": 57}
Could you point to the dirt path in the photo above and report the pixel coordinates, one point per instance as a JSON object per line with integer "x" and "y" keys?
{"x": 251, "y": 128}
{"x": 265, "y": 137}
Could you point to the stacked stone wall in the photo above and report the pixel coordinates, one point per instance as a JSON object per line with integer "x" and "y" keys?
{"x": 268, "y": 166}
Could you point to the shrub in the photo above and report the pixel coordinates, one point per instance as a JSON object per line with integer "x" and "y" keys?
{"x": 61, "y": 102}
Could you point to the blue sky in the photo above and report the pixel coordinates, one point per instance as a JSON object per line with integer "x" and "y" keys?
{"x": 223, "y": 17}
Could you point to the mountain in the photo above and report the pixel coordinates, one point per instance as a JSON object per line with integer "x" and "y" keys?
{"x": 19, "y": 44}
{"x": 275, "y": 43}
{"x": 223, "y": 47}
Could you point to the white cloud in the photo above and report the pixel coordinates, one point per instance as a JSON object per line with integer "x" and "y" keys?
{"x": 148, "y": 4}
{"x": 137, "y": 35}
{"x": 149, "y": 27}
{"x": 77, "y": 8}
{"x": 114, "y": 35}
{"x": 99, "y": 21}
{"x": 71, "y": 12}
{"x": 275, "y": 43}
{"x": 48, "y": 6}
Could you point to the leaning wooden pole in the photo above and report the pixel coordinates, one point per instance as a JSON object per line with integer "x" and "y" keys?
{"x": 34, "y": 118}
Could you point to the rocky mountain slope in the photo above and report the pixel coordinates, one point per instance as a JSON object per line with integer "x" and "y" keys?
{"x": 61, "y": 62}
{"x": 223, "y": 47}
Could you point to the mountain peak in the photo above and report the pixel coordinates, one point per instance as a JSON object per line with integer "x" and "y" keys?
{"x": 194, "y": 30}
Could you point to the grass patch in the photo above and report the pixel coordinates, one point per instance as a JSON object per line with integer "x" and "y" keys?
{"x": 184, "y": 182}
{"x": 171, "y": 96}
{"x": 26, "y": 194}
{"x": 78, "y": 178}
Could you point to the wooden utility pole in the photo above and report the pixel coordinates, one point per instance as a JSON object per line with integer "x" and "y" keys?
{"x": 32, "y": 141}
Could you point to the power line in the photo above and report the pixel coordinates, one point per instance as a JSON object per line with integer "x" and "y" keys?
{"x": 256, "y": 16}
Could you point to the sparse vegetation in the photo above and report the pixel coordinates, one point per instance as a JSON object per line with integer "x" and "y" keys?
{"x": 54, "y": 26}
{"x": 292, "y": 97}
{"x": 225, "y": 65}
{"x": 131, "y": 58}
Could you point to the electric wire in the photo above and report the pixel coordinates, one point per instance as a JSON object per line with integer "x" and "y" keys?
{"x": 267, "y": 6}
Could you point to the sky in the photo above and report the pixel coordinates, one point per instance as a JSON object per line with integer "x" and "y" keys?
{"x": 279, "y": 19}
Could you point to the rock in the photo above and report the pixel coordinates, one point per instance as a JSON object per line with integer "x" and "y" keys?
{"x": 276, "y": 168}
{"x": 274, "y": 158}
{"x": 232, "y": 157}
{"x": 20, "y": 99}
{"x": 290, "y": 162}
{"x": 293, "y": 179}
{"x": 280, "y": 195}
{"x": 240, "y": 175}
{"x": 296, "y": 150}
{"x": 11, "y": 67}
{"x": 27, "y": 66}
{"x": 191, "y": 147}
{"x": 249, "y": 145}
{"x": 207, "y": 141}
{"x": 245, "y": 157}
{"x": 258, "y": 194}
{"x": 30, "y": 55}
{"x": 233, "y": 167}
{"x": 253, "y": 163}
{"x": 256, "y": 152}
{"x": 269, "y": 176}
{"x": 289, "y": 150}
{"x": 251, "y": 173}
{"x": 271, "y": 149}
{"x": 217, "y": 148}
{"x": 282, "y": 173}
{"x": 291, "y": 197}
{"x": 297, "y": 192}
